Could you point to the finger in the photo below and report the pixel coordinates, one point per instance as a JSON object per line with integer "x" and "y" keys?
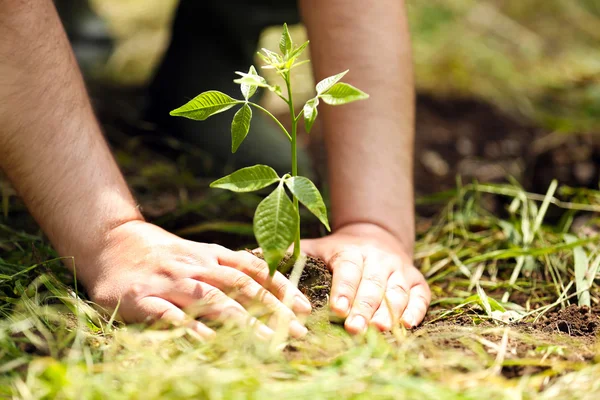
{"x": 418, "y": 303}
{"x": 369, "y": 295}
{"x": 347, "y": 267}
{"x": 393, "y": 304}
{"x": 200, "y": 299}
{"x": 258, "y": 270}
{"x": 252, "y": 296}
{"x": 157, "y": 309}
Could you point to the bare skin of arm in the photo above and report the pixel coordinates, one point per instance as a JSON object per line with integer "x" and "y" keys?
{"x": 52, "y": 150}
{"x": 370, "y": 153}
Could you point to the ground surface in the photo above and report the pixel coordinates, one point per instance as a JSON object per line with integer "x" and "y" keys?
{"x": 501, "y": 261}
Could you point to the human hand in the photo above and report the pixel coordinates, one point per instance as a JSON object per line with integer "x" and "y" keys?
{"x": 154, "y": 275}
{"x": 370, "y": 265}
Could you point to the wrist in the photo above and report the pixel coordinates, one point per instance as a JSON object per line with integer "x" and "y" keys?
{"x": 85, "y": 248}
{"x": 375, "y": 232}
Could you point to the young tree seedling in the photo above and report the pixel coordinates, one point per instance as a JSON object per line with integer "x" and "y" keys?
{"x": 277, "y": 218}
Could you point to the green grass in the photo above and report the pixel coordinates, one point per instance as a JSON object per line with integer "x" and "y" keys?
{"x": 53, "y": 344}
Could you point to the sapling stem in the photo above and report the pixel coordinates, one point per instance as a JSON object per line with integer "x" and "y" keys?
{"x": 294, "y": 159}
{"x": 277, "y": 218}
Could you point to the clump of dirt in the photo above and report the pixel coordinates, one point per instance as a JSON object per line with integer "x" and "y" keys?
{"x": 315, "y": 281}
{"x": 573, "y": 320}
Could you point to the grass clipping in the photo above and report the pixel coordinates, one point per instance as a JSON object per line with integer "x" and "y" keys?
{"x": 495, "y": 279}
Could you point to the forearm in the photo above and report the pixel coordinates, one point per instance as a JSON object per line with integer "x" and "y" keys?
{"x": 369, "y": 143}
{"x": 51, "y": 147}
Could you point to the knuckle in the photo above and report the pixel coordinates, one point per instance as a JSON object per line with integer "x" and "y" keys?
{"x": 136, "y": 290}
{"x": 349, "y": 253}
{"x": 168, "y": 272}
{"x": 212, "y": 296}
{"x": 375, "y": 281}
{"x": 213, "y": 247}
{"x": 279, "y": 287}
{"x": 257, "y": 266}
{"x": 397, "y": 288}
{"x": 347, "y": 286}
{"x": 368, "y": 303}
{"x": 242, "y": 283}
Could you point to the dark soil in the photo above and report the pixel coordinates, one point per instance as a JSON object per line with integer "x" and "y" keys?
{"x": 315, "y": 281}
{"x": 572, "y": 331}
{"x": 572, "y": 321}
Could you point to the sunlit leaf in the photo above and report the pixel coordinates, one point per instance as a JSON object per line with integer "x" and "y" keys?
{"x": 240, "y": 126}
{"x": 247, "y": 179}
{"x": 285, "y": 43}
{"x": 270, "y": 57}
{"x": 328, "y": 83}
{"x": 275, "y": 226}
{"x": 251, "y": 80}
{"x": 205, "y": 105}
{"x": 342, "y": 93}
{"x": 580, "y": 265}
{"x": 310, "y": 113}
{"x": 307, "y": 193}
{"x": 248, "y": 90}
{"x": 297, "y": 52}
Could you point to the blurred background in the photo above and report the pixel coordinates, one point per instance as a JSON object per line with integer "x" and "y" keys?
{"x": 508, "y": 90}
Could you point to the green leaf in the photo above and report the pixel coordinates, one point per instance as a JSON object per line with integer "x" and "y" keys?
{"x": 310, "y": 113}
{"x": 297, "y": 52}
{"x": 270, "y": 57}
{"x": 285, "y": 43}
{"x": 205, "y": 105}
{"x": 581, "y": 263}
{"x": 308, "y": 194}
{"x": 248, "y": 90}
{"x": 240, "y": 126}
{"x": 252, "y": 80}
{"x": 328, "y": 83}
{"x": 342, "y": 93}
{"x": 247, "y": 179}
{"x": 275, "y": 226}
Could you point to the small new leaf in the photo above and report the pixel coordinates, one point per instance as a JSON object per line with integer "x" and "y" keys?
{"x": 240, "y": 126}
{"x": 205, "y": 105}
{"x": 310, "y": 113}
{"x": 247, "y": 179}
{"x": 328, "y": 83}
{"x": 342, "y": 93}
{"x": 275, "y": 226}
{"x": 270, "y": 57}
{"x": 308, "y": 194}
{"x": 297, "y": 52}
{"x": 285, "y": 43}
{"x": 252, "y": 80}
{"x": 248, "y": 90}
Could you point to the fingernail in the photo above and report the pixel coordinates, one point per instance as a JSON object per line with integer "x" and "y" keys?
{"x": 265, "y": 332}
{"x": 302, "y": 305}
{"x": 358, "y": 323}
{"x": 342, "y": 304}
{"x": 297, "y": 329}
{"x": 382, "y": 323}
{"x": 409, "y": 320}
